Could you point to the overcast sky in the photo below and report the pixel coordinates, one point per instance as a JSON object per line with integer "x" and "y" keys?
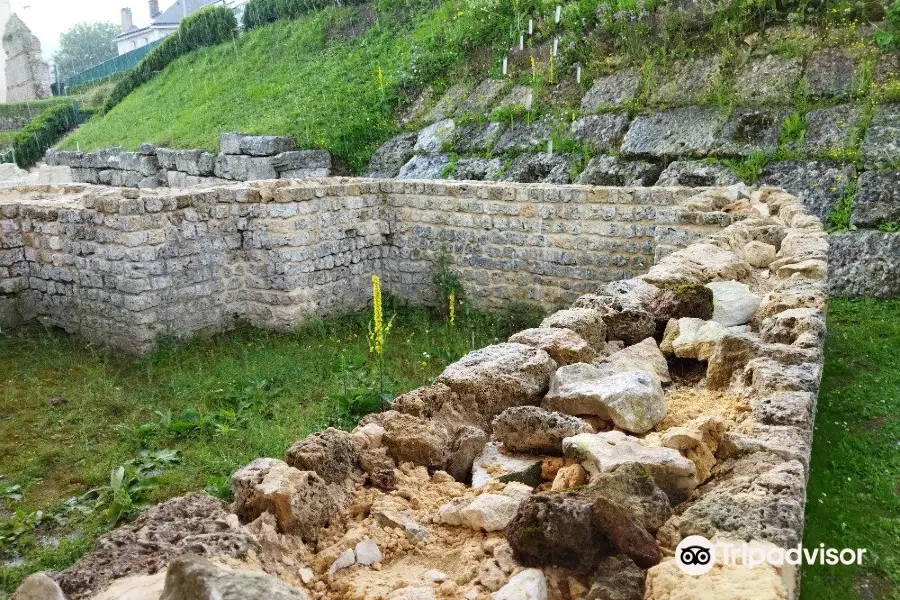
{"x": 49, "y": 18}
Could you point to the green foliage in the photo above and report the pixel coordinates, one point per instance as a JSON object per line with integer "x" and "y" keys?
{"x": 263, "y": 12}
{"x": 749, "y": 169}
{"x": 31, "y": 143}
{"x": 447, "y": 282}
{"x": 841, "y": 216}
{"x": 852, "y": 499}
{"x": 83, "y": 46}
{"x": 207, "y": 27}
{"x": 889, "y": 227}
{"x": 793, "y": 132}
{"x": 889, "y": 38}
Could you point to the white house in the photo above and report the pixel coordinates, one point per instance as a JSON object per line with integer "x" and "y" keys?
{"x": 161, "y": 23}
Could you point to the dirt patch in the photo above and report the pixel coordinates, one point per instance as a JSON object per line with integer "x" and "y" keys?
{"x": 686, "y": 404}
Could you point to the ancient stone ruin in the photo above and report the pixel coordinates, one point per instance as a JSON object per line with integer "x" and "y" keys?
{"x": 27, "y": 75}
{"x": 567, "y": 462}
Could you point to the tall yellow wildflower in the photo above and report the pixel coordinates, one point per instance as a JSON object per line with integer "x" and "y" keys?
{"x": 452, "y": 307}
{"x": 378, "y": 330}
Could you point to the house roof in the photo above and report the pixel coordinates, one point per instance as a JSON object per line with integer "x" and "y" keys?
{"x": 173, "y": 14}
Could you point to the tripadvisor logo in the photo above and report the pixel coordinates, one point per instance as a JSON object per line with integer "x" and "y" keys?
{"x": 696, "y": 555}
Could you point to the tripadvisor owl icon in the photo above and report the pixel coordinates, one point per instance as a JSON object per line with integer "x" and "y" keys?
{"x": 695, "y": 555}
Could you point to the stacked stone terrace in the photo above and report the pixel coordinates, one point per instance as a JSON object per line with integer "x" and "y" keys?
{"x": 127, "y": 266}
{"x": 565, "y": 463}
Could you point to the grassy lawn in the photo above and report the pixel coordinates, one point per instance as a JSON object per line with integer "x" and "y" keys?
{"x": 71, "y": 414}
{"x": 854, "y": 488}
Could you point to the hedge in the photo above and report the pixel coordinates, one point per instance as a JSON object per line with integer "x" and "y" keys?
{"x": 30, "y": 144}
{"x": 207, "y": 27}
{"x": 262, "y": 12}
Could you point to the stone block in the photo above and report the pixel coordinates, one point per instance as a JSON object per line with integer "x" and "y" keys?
{"x": 831, "y": 73}
{"x": 425, "y": 167}
{"x": 392, "y": 155}
{"x": 881, "y": 147}
{"x": 449, "y": 102}
{"x": 478, "y": 137}
{"x": 679, "y": 132}
{"x": 194, "y": 162}
{"x": 519, "y": 97}
{"x": 524, "y": 137}
{"x": 482, "y": 97}
{"x": 766, "y": 80}
{"x": 302, "y": 164}
{"x": 600, "y": 133}
{"x": 133, "y": 161}
{"x": 611, "y": 90}
{"x": 687, "y": 81}
{"x": 864, "y": 264}
{"x": 433, "y": 138}
{"x": 877, "y": 199}
{"x": 694, "y": 173}
{"x": 477, "y": 169}
{"x": 750, "y": 130}
{"x": 612, "y": 171}
{"x": 539, "y": 168}
{"x": 831, "y": 130}
{"x": 819, "y": 184}
{"x": 239, "y": 167}
{"x": 255, "y": 145}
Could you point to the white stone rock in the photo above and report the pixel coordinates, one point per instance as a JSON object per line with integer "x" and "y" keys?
{"x": 346, "y": 559}
{"x": 494, "y": 465}
{"x": 434, "y": 576}
{"x": 643, "y": 356}
{"x": 692, "y": 338}
{"x": 759, "y": 254}
{"x": 490, "y": 512}
{"x": 606, "y": 452}
{"x": 633, "y": 400}
{"x": 432, "y": 138}
{"x": 137, "y": 587}
{"x": 733, "y": 302}
{"x": 367, "y": 553}
{"x": 413, "y": 593}
{"x": 370, "y": 434}
{"x": 306, "y": 575}
{"x": 38, "y": 586}
{"x": 517, "y": 491}
{"x": 530, "y": 584}
{"x": 9, "y": 172}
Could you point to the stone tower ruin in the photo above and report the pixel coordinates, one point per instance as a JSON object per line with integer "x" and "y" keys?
{"x": 27, "y": 75}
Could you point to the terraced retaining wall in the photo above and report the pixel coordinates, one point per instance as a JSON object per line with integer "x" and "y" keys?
{"x": 566, "y": 463}
{"x": 127, "y": 266}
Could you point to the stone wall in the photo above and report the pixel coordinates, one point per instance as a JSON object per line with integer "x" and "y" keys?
{"x": 568, "y": 462}
{"x": 242, "y": 158}
{"x": 126, "y": 267}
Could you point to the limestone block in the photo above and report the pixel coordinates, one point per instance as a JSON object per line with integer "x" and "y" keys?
{"x": 679, "y": 132}
{"x": 750, "y": 130}
{"x": 612, "y": 171}
{"x": 602, "y": 132}
{"x": 819, "y": 184}
{"x": 691, "y": 173}
{"x": 539, "y": 168}
{"x": 881, "y": 146}
{"x": 611, "y": 90}
{"x": 877, "y": 199}
{"x": 768, "y": 80}
{"x": 830, "y": 130}
{"x": 831, "y": 73}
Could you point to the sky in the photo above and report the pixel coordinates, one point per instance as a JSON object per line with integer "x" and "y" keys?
{"x": 47, "y": 19}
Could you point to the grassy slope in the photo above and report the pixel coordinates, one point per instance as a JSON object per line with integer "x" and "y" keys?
{"x": 316, "y": 79}
{"x": 854, "y": 487}
{"x": 282, "y": 387}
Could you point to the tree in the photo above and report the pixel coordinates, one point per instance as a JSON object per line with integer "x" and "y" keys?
{"x": 84, "y": 46}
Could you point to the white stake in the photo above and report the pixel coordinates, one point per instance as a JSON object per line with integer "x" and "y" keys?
{"x": 521, "y": 42}
{"x": 504, "y": 66}
{"x": 550, "y": 148}
{"x": 578, "y": 73}
{"x": 555, "y": 46}
{"x": 558, "y": 13}
{"x": 530, "y": 26}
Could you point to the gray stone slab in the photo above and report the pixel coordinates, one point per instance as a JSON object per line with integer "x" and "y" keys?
{"x": 311, "y": 163}
{"x": 769, "y": 79}
{"x": 449, "y": 102}
{"x": 239, "y": 167}
{"x": 750, "y": 130}
{"x": 887, "y": 69}
{"x": 613, "y": 171}
{"x": 819, "y": 184}
{"x": 600, "y": 133}
{"x": 611, "y": 90}
{"x": 194, "y": 162}
{"x": 520, "y": 96}
{"x": 830, "y": 130}
{"x": 134, "y": 161}
{"x": 540, "y": 168}
{"x": 482, "y": 97}
{"x": 432, "y": 139}
{"x": 255, "y": 145}
{"x": 679, "y": 132}
{"x": 425, "y": 167}
{"x": 524, "y": 137}
{"x": 877, "y": 199}
{"x": 392, "y": 155}
{"x": 881, "y": 147}
{"x": 695, "y": 173}
{"x": 687, "y": 81}
{"x": 477, "y": 169}
{"x": 177, "y": 179}
{"x": 831, "y": 73}
{"x": 864, "y": 263}
{"x": 478, "y": 137}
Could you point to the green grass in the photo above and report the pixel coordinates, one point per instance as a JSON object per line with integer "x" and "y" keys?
{"x": 220, "y": 402}
{"x": 333, "y": 79}
{"x": 854, "y": 488}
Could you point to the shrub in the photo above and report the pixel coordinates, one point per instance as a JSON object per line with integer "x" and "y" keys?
{"x": 890, "y": 38}
{"x": 262, "y": 12}
{"x": 206, "y": 27}
{"x": 31, "y": 143}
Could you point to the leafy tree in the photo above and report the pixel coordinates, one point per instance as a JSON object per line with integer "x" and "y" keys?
{"x": 84, "y": 46}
